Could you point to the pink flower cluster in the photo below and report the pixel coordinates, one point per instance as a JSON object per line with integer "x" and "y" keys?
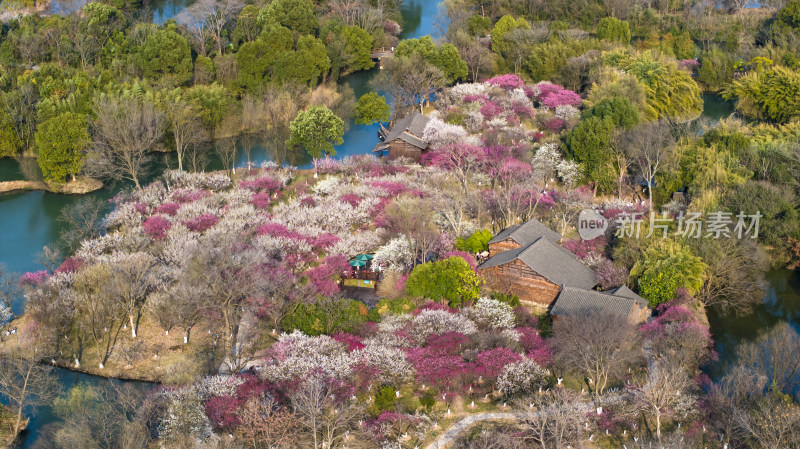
{"x": 323, "y": 276}
{"x": 508, "y": 81}
{"x": 70, "y": 265}
{"x": 266, "y": 184}
{"x": 534, "y": 345}
{"x": 190, "y": 196}
{"x": 156, "y": 226}
{"x": 552, "y": 95}
{"x": 168, "y": 209}
{"x": 491, "y": 110}
{"x": 33, "y": 278}
{"x": 201, "y": 222}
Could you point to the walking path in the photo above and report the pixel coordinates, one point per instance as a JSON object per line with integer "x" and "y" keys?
{"x": 451, "y": 433}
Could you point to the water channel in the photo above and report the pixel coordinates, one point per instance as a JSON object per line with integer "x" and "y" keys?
{"x": 28, "y": 220}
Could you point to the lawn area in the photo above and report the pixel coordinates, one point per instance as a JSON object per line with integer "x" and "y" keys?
{"x": 135, "y": 358}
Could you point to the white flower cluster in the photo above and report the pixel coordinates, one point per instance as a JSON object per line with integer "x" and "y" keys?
{"x": 396, "y": 254}
{"x": 327, "y": 185}
{"x": 298, "y": 354}
{"x": 525, "y": 376}
{"x": 545, "y": 161}
{"x": 569, "y": 172}
{"x": 393, "y": 323}
{"x": 152, "y": 194}
{"x": 465, "y": 89}
{"x": 518, "y": 96}
{"x": 183, "y": 180}
{"x": 220, "y": 385}
{"x": 438, "y": 133}
{"x": 491, "y": 313}
{"x": 437, "y": 322}
{"x": 123, "y": 216}
{"x": 390, "y": 362}
{"x": 185, "y": 415}
{"x": 567, "y": 112}
{"x": 5, "y": 314}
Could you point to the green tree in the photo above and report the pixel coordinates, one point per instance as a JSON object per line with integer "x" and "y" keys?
{"x": 316, "y": 129}
{"x": 359, "y": 48}
{"x": 60, "y": 142}
{"x": 326, "y": 316}
{"x": 618, "y": 110}
{"x": 385, "y": 398}
{"x": 165, "y": 53}
{"x": 613, "y": 29}
{"x": 506, "y": 24}
{"x": 589, "y": 143}
{"x": 296, "y": 15}
{"x": 671, "y": 92}
{"x": 305, "y": 65}
{"x": 475, "y": 243}
{"x": 256, "y": 61}
{"x": 372, "y": 108}
{"x": 773, "y": 95}
{"x": 449, "y": 61}
{"x": 212, "y": 103}
{"x": 451, "y": 280}
{"x": 790, "y": 14}
{"x": 716, "y": 69}
{"x": 684, "y": 46}
{"x": 9, "y": 142}
{"x": 445, "y": 57}
{"x": 664, "y": 268}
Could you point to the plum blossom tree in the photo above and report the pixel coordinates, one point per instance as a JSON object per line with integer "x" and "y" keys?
{"x": 521, "y": 377}
{"x": 461, "y": 158}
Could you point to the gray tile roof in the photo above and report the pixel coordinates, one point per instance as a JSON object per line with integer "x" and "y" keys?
{"x": 409, "y": 129}
{"x": 527, "y": 233}
{"x": 577, "y": 302}
{"x": 550, "y": 260}
{"x": 625, "y": 292}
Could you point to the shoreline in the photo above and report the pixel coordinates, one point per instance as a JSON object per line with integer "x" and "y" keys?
{"x": 80, "y": 186}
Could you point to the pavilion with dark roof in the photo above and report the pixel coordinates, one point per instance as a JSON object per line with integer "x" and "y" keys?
{"x": 404, "y": 139}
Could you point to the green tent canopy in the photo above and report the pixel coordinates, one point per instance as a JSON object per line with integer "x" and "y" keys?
{"x": 364, "y": 257}
{"x": 357, "y": 263}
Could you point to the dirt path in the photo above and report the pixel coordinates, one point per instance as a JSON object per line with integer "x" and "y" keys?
{"x": 451, "y": 433}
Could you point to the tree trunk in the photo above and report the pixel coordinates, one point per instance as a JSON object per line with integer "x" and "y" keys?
{"x": 658, "y": 426}
{"x": 18, "y": 421}
{"x": 133, "y": 326}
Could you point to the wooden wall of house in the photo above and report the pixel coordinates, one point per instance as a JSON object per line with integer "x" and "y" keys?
{"x": 501, "y": 246}
{"x": 400, "y": 148}
{"x": 517, "y": 278}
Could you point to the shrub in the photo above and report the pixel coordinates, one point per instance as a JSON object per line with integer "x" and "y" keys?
{"x": 385, "y": 398}
{"x": 475, "y": 243}
{"x": 451, "y": 280}
{"x": 326, "y": 317}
